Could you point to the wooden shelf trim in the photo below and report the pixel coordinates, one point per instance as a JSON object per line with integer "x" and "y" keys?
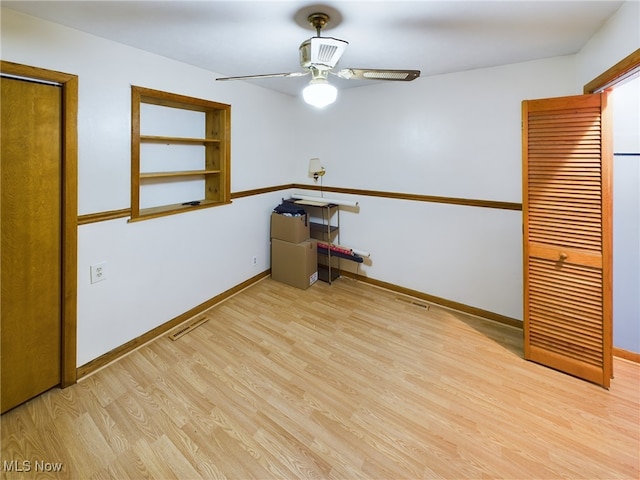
{"x": 172, "y": 140}
{"x": 110, "y": 215}
{"x": 164, "y": 210}
{"x": 179, "y": 173}
{"x": 215, "y": 169}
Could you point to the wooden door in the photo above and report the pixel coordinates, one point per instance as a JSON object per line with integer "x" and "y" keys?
{"x": 31, "y": 295}
{"x": 567, "y": 155}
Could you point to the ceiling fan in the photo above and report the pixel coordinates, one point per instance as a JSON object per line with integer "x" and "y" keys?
{"x": 319, "y": 56}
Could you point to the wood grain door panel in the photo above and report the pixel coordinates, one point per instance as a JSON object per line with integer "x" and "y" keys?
{"x": 31, "y": 259}
{"x": 566, "y": 215}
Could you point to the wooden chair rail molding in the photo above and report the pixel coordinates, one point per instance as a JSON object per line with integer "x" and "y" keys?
{"x": 133, "y": 344}
{"x": 103, "y": 216}
{"x": 471, "y": 202}
{"x": 616, "y": 72}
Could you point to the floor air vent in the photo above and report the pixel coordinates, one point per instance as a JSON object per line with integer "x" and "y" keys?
{"x": 183, "y": 330}
{"x": 411, "y": 301}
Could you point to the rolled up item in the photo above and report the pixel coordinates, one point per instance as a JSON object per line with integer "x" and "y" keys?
{"x": 336, "y": 248}
{"x": 345, "y": 250}
{"x": 362, "y": 253}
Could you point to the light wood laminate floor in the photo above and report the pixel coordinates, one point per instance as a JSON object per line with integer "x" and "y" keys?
{"x": 344, "y": 381}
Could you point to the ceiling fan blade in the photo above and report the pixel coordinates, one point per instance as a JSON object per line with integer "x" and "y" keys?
{"x": 266, "y": 75}
{"x": 378, "y": 74}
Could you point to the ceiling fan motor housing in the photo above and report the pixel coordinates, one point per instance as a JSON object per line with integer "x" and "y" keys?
{"x": 322, "y": 53}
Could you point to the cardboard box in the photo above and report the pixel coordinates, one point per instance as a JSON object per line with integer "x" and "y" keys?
{"x": 295, "y": 264}
{"x": 290, "y": 229}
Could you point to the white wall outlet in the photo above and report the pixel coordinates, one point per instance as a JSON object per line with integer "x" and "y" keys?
{"x": 98, "y": 272}
{"x": 255, "y": 261}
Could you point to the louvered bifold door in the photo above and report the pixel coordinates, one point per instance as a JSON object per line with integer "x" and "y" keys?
{"x": 567, "y": 235}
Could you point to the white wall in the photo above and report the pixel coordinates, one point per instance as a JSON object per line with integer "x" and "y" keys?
{"x": 452, "y": 135}
{"x": 455, "y": 135}
{"x": 617, "y": 38}
{"x": 107, "y": 70}
{"x": 625, "y": 101}
{"x": 626, "y": 216}
{"x": 160, "y": 268}
{"x": 626, "y": 252}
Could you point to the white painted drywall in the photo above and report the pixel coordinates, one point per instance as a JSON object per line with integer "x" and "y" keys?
{"x": 618, "y": 38}
{"x": 626, "y": 216}
{"x": 160, "y": 268}
{"x": 451, "y": 135}
{"x": 455, "y": 135}
{"x": 626, "y": 253}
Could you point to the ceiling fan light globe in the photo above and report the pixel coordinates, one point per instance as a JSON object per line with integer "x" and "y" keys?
{"x": 319, "y": 93}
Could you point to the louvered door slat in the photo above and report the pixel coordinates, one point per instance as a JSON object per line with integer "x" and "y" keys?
{"x": 573, "y": 323}
{"x": 545, "y": 180}
{"x": 576, "y": 345}
{"x": 566, "y": 241}
{"x": 579, "y": 209}
{"x": 568, "y": 225}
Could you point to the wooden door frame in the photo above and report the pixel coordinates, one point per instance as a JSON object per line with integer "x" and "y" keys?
{"x": 69, "y": 215}
{"x": 606, "y": 80}
{"x": 614, "y": 74}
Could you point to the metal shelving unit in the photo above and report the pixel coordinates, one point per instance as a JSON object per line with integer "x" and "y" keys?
{"x": 329, "y": 233}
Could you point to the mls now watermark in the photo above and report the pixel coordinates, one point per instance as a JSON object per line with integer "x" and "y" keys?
{"x": 29, "y": 466}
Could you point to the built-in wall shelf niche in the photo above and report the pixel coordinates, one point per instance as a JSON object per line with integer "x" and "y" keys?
{"x": 180, "y": 153}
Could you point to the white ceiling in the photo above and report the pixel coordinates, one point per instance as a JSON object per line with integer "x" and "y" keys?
{"x": 255, "y": 37}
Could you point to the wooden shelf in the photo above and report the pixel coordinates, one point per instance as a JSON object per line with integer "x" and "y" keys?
{"x": 163, "y": 210}
{"x": 215, "y": 156}
{"x": 174, "y": 140}
{"x": 180, "y": 173}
